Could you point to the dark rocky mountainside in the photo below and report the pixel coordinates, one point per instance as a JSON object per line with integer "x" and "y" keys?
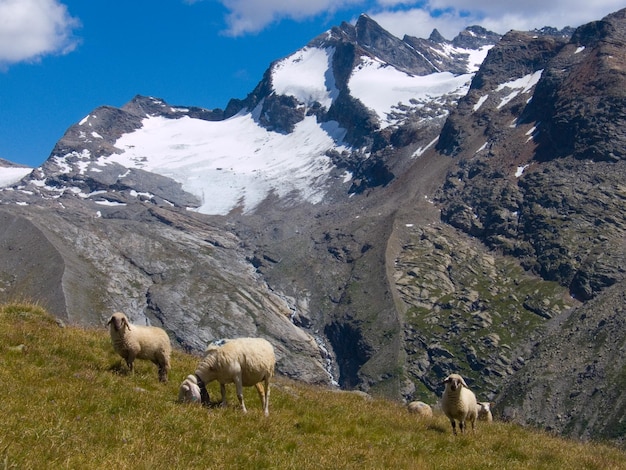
{"x": 482, "y": 234}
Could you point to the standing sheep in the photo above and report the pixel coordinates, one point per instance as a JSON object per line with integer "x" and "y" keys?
{"x": 140, "y": 342}
{"x": 459, "y": 403}
{"x": 243, "y": 361}
{"x": 484, "y": 411}
{"x": 421, "y": 409}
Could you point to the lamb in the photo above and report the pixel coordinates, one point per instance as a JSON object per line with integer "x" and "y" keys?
{"x": 140, "y": 342}
{"x": 189, "y": 390}
{"x": 242, "y": 361}
{"x": 193, "y": 390}
{"x": 421, "y": 409}
{"x": 459, "y": 403}
{"x": 484, "y": 411}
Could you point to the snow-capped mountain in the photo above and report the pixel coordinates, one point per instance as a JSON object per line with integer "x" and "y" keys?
{"x": 308, "y": 128}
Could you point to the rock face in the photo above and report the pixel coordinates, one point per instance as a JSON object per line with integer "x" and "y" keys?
{"x": 574, "y": 390}
{"x": 582, "y": 93}
{"x": 480, "y": 233}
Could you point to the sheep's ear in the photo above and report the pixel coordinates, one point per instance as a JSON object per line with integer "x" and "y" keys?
{"x": 110, "y": 320}
{"x": 447, "y": 379}
{"x": 463, "y": 383}
{"x": 126, "y": 323}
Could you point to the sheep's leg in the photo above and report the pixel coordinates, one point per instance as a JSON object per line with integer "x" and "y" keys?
{"x": 266, "y": 402}
{"x": 163, "y": 364}
{"x": 453, "y": 423}
{"x": 239, "y": 387}
{"x": 205, "y": 399}
{"x": 130, "y": 360}
{"x": 263, "y": 392}
{"x": 462, "y": 426}
{"x": 223, "y": 392}
{"x": 162, "y": 373}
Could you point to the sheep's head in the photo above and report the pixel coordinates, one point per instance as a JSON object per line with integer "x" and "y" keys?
{"x": 455, "y": 382}
{"x": 118, "y": 321}
{"x": 484, "y": 407}
{"x": 189, "y": 391}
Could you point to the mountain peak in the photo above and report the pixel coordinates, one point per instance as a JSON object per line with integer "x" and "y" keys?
{"x": 474, "y": 37}
{"x": 436, "y": 37}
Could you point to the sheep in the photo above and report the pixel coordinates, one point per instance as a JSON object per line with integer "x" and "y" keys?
{"x": 193, "y": 390}
{"x": 484, "y": 411}
{"x": 421, "y": 409}
{"x": 459, "y": 403}
{"x": 140, "y": 342}
{"x": 242, "y": 361}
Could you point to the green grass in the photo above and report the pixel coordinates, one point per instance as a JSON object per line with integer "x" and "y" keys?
{"x": 67, "y": 401}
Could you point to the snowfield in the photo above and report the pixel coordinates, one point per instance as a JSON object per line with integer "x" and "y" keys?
{"x": 381, "y": 88}
{"x": 233, "y": 163}
{"x": 11, "y": 175}
{"x": 306, "y": 76}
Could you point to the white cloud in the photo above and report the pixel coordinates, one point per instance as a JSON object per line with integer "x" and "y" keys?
{"x": 418, "y": 17}
{"x": 451, "y": 16}
{"x": 30, "y": 29}
{"x": 251, "y": 16}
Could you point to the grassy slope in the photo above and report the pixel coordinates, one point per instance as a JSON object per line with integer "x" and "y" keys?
{"x": 66, "y": 401}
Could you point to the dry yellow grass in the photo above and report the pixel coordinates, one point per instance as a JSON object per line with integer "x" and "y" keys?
{"x": 66, "y": 401}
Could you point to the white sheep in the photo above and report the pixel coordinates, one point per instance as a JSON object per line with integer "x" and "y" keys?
{"x": 421, "y": 409}
{"x": 242, "y": 361}
{"x": 484, "y": 411}
{"x": 140, "y": 342}
{"x": 189, "y": 390}
{"x": 459, "y": 403}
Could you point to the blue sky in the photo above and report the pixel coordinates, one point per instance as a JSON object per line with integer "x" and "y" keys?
{"x": 60, "y": 59}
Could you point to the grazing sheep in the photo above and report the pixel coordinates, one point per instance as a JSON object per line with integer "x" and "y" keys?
{"x": 421, "y": 409}
{"x": 140, "y": 342}
{"x": 243, "y": 361}
{"x": 193, "y": 390}
{"x": 484, "y": 411}
{"x": 459, "y": 403}
{"x": 189, "y": 390}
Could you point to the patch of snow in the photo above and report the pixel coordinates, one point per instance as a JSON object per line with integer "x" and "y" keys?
{"x": 109, "y": 203}
{"x": 420, "y": 151}
{"x": 520, "y": 170}
{"x": 480, "y": 102}
{"x": 306, "y": 75}
{"x": 531, "y": 133}
{"x": 476, "y": 57}
{"x": 141, "y": 194}
{"x": 519, "y": 86}
{"x": 381, "y": 87}
{"x": 11, "y": 175}
{"x": 579, "y": 49}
